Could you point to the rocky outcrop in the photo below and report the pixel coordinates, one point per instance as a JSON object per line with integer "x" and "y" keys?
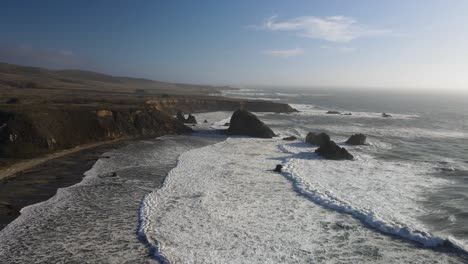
{"x": 333, "y": 112}
{"x": 290, "y": 138}
{"x": 31, "y": 132}
{"x": 332, "y": 151}
{"x": 356, "y": 139}
{"x": 180, "y": 116}
{"x": 386, "y": 115}
{"x": 189, "y": 120}
{"x": 317, "y": 138}
{"x": 245, "y": 123}
{"x": 208, "y": 104}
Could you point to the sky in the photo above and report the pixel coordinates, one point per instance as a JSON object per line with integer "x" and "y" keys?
{"x": 420, "y": 45}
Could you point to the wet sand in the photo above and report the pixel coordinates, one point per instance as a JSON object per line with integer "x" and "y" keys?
{"x": 34, "y": 184}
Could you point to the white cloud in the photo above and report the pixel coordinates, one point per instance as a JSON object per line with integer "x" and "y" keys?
{"x": 333, "y": 29}
{"x": 343, "y": 49}
{"x": 284, "y": 53}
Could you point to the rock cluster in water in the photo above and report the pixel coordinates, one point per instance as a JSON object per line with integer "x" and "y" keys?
{"x": 328, "y": 149}
{"x": 245, "y": 123}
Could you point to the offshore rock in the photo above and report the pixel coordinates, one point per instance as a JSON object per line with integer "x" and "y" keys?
{"x": 245, "y": 123}
{"x": 332, "y": 151}
{"x": 356, "y": 139}
{"x": 317, "y": 139}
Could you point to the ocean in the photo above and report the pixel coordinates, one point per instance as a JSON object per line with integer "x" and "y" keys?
{"x": 403, "y": 199}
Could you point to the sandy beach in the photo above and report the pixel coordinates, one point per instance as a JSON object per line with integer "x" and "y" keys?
{"x": 36, "y": 180}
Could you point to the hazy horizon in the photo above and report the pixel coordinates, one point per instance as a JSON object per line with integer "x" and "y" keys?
{"x": 418, "y": 46}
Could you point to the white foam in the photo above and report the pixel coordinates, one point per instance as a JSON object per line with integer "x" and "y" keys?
{"x": 312, "y": 110}
{"x": 222, "y": 205}
{"x": 383, "y": 194}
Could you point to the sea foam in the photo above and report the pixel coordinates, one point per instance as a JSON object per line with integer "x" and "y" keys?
{"x": 223, "y": 204}
{"x": 385, "y": 195}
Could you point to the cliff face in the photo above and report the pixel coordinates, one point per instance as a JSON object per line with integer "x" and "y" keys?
{"x": 29, "y": 130}
{"x": 30, "y": 133}
{"x": 207, "y": 104}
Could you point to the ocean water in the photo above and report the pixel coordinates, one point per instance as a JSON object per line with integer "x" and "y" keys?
{"x": 403, "y": 199}
{"x": 96, "y": 220}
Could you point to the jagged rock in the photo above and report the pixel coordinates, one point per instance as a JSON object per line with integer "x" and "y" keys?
{"x": 181, "y": 117}
{"x": 332, "y": 151}
{"x": 246, "y": 123}
{"x": 357, "y": 139}
{"x": 206, "y": 121}
{"x": 227, "y": 124}
{"x": 332, "y": 112}
{"x": 386, "y": 115}
{"x": 278, "y": 168}
{"x": 290, "y": 138}
{"x": 190, "y": 119}
{"x": 317, "y": 139}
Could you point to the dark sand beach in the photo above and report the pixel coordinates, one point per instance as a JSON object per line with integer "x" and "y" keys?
{"x": 40, "y": 182}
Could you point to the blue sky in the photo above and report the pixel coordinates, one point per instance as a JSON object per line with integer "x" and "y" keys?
{"x": 397, "y": 44}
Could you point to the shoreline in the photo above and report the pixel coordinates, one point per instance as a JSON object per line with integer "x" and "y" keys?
{"x": 98, "y": 218}
{"x": 37, "y": 180}
{"x": 20, "y": 166}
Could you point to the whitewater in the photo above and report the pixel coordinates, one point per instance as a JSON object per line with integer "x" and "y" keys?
{"x": 223, "y": 204}
{"x": 206, "y": 198}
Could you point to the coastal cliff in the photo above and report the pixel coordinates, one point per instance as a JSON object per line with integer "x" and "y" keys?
{"x": 43, "y": 110}
{"x": 208, "y": 104}
{"x": 25, "y": 134}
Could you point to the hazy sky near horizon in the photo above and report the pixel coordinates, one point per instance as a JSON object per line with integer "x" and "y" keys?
{"x": 416, "y": 44}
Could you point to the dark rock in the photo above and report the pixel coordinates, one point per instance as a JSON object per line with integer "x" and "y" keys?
{"x": 290, "y": 138}
{"x": 181, "y": 117}
{"x": 317, "y": 139}
{"x": 332, "y": 151}
{"x": 206, "y": 121}
{"x": 246, "y": 123}
{"x": 357, "y": 139}
{"x": 278, "y": 168}
{"x": 334, "y": 112}
{"x": 190, "y": 119}
{"x": 386, "y": 115}
{"x": 227, "y": 124}
{"x": 347, "y": 114}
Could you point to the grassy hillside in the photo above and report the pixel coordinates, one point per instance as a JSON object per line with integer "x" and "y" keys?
{"x": 40, "y": 85}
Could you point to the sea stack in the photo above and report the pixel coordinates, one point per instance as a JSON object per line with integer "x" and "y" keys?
{"x": 245, "y": 123}
{"x": 332, "y": 151}
{"x": 356, "y": 139}
{"x": 317, "y": 139}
